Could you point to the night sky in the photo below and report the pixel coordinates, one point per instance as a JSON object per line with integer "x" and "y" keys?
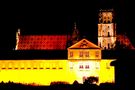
{"x": 58, "y": 18}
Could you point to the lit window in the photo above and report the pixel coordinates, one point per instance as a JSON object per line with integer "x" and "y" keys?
{"x": 54, "y": 68}
{"x": 87, "y": 54}
{"x": 15, "y": 68}
{"x": 60, "y": 68}
{"x": 22, "y": 68}
{"x": 81, "y": 67}
{"x": 9, "y": 68}
{"x": 41, "y": 68}
{"x": 71, "y": 54}
{"x": 81, "y": 54}
{"x": 87, "y": 67}
{"x": 97, "y": 54}
{"x": 34, "y": 68}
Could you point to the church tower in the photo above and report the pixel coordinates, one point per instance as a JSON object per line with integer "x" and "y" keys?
{"x": 106, "y": 29}
{"x": 74, "y": 37}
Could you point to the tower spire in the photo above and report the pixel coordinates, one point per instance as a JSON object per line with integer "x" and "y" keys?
{"x": 75, "y": 34}
{"x": 75, "y": 26}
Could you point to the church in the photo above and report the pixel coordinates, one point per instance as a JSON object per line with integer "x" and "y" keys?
{"x": 84, "y": 58}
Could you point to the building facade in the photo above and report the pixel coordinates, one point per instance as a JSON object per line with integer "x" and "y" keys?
{"x": 84, "y": 60}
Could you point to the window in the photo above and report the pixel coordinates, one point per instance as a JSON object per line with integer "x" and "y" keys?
{"x": 97, "y": 54}
{"x": 9, "y": 68}
{"x": 41, "y": 68}
{"x": 54, "y": 68}
{"x": 87, "y": 54}
{"x": 108, "y": 34}
{"x": 22, "y": 68}
{"x": 81, "y": 67}
{"x": 34, "y": 68}
{"x": 87, "y": 67}
{"x": 28, "y": 68}
{"x": 81, "y": 54}
{"x": 71, "y": 54}
{"x": 60, "y": 68}
{"x": 15, "y": 68}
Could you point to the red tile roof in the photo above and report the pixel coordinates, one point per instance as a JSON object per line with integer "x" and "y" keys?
{"x": 124, "y": 40}
{"x": 42, "y": 42}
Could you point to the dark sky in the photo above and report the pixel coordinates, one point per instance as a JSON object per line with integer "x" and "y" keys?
{"x": 58, "y": 18}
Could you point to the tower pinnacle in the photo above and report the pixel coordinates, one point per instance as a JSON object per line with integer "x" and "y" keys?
{"x": 75, "y": 34}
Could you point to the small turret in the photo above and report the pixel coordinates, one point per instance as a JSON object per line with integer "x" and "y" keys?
{"x": 17, "y": 38}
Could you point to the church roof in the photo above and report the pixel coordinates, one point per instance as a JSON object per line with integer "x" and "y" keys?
{"x": 42, "y": 42}
{"x": 84, "y": 44}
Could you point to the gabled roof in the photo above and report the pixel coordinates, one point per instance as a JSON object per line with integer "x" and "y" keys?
{"x": 84, "y": 44}
{"x": 42, "y": 42}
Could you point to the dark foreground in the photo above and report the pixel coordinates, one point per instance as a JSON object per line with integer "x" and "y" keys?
{"x": 13, "y": 86}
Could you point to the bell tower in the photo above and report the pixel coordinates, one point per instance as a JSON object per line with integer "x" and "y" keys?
{"x": 106, "y": 29}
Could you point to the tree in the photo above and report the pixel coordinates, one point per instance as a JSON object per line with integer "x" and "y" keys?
{"x": 91, "y": 80}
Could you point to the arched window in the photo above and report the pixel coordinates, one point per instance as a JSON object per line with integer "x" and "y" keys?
{"x": 87, "y": 67}
{"x": 81, "y": 67}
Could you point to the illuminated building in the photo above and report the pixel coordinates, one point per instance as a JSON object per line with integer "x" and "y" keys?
{"x": 84, "y": 59}
{"x": 106, "y": 30}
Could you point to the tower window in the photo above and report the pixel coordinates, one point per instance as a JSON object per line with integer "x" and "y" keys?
{"x": 108, "y": 46}
{"x": 108, "y": 34}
